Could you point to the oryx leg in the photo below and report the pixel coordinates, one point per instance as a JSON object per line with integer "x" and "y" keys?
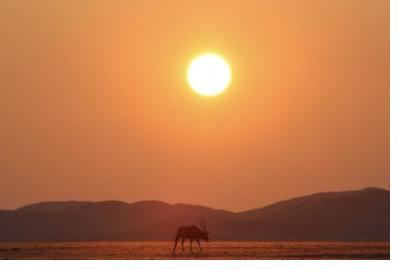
{"x": 176, "y": 242}
{"x": 199, "y": 244}
{"x": 182, "y": 243}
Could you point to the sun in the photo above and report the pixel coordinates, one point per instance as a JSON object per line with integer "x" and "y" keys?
{"x": 209, "y": 74}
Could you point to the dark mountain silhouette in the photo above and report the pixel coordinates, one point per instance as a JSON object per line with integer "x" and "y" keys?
{"x": 52, "y": 206}
{"x": 362, "y": 215}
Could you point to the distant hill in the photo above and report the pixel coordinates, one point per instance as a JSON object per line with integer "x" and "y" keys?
{"x": 362, "y": 215}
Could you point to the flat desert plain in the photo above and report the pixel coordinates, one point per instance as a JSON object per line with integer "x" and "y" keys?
{"x": 229, "y": 250}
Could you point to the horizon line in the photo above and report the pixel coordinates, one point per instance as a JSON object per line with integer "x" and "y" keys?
{"x": 193, "y": 204}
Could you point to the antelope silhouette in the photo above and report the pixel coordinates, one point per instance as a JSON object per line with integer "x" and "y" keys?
{"x": 192, "y": 233}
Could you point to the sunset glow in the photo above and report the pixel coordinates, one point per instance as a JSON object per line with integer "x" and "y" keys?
{"x": 231, "y": 104}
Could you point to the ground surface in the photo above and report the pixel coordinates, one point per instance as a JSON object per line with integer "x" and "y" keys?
{"x": 212, "y": 250}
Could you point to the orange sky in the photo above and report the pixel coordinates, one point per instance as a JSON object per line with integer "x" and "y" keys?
{"x": 95, "y": 103}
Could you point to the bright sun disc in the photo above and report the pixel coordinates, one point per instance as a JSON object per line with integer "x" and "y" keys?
{"x": 209, "y": 74}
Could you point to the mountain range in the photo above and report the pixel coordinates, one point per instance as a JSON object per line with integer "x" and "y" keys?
{"x": 360, "y": 215}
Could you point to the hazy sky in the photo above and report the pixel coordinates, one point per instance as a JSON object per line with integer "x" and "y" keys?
{"x": 95, "y": 104}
